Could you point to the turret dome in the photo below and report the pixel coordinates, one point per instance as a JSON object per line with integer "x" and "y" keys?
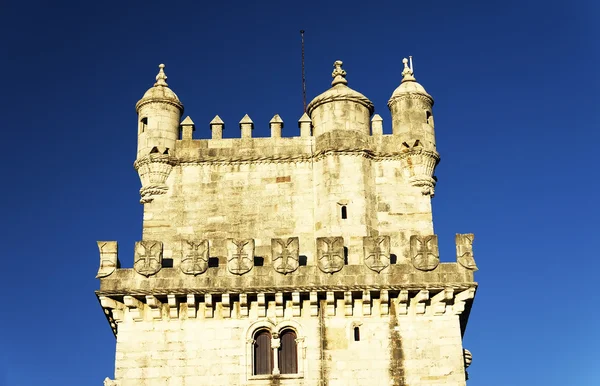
{"x": 339, "y": 91}
{"x": 160, "y": 92}
{"x": 409, "y": 85}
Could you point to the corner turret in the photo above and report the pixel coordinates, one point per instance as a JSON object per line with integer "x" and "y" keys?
{"x": 340, "y": 107}
{"x": 412, "y": 120}
{"x": 159, "y": 113}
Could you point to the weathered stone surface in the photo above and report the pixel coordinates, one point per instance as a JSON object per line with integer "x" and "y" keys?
{"x": 330, "y": 254}
{"x": 424, "y": 252}
{"x": 240, "y": 255}
{"x": 464, "y": 251}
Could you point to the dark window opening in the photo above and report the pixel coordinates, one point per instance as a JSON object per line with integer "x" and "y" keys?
{"x": 259, "y": 261}
{"x": 429, "y": 118}
{"x": 263, "y": 354}
{"x": 356, "y": 334}
{"x": 344, "y": 212}
{"x": 288, "y": 353}
{"x": 345, "y": 255}
{"x": 166, "y": 151}
{"x": 167, "y": 263}
{"x": 143, "y": 124}
{"x": 302, "y": 260}
{"x": 393, "y": 259}
{"x": 154, "y": 150}
{"x": 213, "y": 262}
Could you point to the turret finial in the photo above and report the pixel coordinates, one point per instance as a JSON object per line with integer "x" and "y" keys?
{"x": 161, "y": 78}
{"x": 338, "y": 74}
{"x": 407, "y": 73}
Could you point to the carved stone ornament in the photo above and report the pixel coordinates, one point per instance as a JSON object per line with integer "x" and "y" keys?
{"x": 424, "y": 252}
{"x": 110, "y": 382}
{"x": 240, "y": 256}
{"x": 108, "y": 258}
{"x": 377, "y": 252}
{"x": 330, "y": 254}
{"x": 464, "y": 251}
{"x": 148, "y": 257}
{"x": 468, "y": 357}
{"x": 285, "y": 254}
{"x": 195, "y": 257}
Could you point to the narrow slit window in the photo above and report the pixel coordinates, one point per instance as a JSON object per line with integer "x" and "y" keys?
{"x": 344, "y": 212}
{"x": 356, "y": 334}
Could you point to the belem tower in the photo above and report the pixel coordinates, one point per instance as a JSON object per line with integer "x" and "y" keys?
{"x": 307, "y": 260}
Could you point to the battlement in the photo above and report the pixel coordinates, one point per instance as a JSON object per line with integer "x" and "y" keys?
{"x": 226, "y": 271}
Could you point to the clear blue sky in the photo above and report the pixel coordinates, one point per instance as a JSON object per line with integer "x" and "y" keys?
{"x": 516, "y": 88}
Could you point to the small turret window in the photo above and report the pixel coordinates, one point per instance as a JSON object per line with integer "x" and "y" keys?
{"x": 429, "y": 118}
{"x": 344, "y": 212}
{"x": 143, "y": 124}
{"x": 356, "y": 334}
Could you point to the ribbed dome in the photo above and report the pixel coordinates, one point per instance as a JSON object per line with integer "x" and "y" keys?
{"x": 340, "y": 92}
{"x": 160, "y": 91}
{"x": 409, "y": 84}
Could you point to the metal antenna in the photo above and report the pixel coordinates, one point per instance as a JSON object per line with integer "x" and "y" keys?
{"x": 303, "y": 74}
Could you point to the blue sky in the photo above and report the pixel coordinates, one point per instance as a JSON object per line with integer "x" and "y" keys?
{"x": 516, "y": 90}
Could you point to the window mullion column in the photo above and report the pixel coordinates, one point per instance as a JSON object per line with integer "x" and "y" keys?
{"x": 275, "y": 344}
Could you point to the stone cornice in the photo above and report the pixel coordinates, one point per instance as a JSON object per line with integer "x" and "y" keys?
{"x": 374, "y": 155}
{"x": 145, "y": 101}
{"x": 412, "y": 95}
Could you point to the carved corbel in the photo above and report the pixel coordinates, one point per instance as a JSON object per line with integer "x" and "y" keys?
{"x": 136, "y": 308}
{"x": 109, "y": 258}
{"x": 366, "y": 302}
{"x": 208, "y": 306}
{"x": 402, "y": 302}
{"x": 191, "y": 306}
{"x": 295, "y": 303}
{"x": 244, "y": 304}
{"x": 173, "y": 309}
{"x": 314, "y": 306}
{"x": 348, "y": 303}
{"x": 440, "y": 300}
{"x": 155, "y": 306}
{"x": 113, "y": 307}
{"x": 261, "y": 303}
{"x": 279, "y": 304}
{"x": 418, "y": 302}
{"x": 460, "y": 300}
{"x": 225, "y": 306}
{"x": 330, "y": 303}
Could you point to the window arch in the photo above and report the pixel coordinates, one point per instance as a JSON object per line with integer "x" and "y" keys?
{"x": 262, "y": 353}
{"x": 288, "y": 352}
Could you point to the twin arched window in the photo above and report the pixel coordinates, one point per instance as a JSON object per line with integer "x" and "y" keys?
{"x": 275, "y": 355}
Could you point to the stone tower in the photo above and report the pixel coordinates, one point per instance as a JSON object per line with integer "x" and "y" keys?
{"x": 307, "y": 260}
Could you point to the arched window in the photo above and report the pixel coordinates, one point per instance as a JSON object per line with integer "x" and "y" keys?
{"x": 263, "y": 353}
{"x": 356, "y": 334}
{"x": 143, "y": 124}
{"x": 288, "y": 352}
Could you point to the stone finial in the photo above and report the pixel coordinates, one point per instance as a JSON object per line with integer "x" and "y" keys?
{"x": 246, "y": 125}
{"x": 216, "y": 127}
{"x": 187, "y": 127}
{"x": 161, "y": 78}
{"x": 304, "y": 123}
{"x": 377, "y": 125}
{"x": 407, "y": 72}
{"x": 276, "y": 124}
{"x": 338, "y": 74}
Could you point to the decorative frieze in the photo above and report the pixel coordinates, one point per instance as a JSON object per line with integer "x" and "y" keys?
{"x": 377, "y": 252}
{"x": 148, "y": 257}
{"x": 424, "y": 252}
{"x": 330, "y": 254}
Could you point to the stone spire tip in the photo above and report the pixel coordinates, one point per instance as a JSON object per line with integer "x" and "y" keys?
{"x": 407, "y": 72}
{"x": 161, "y": 78}
{"x": 338, "y": 74}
